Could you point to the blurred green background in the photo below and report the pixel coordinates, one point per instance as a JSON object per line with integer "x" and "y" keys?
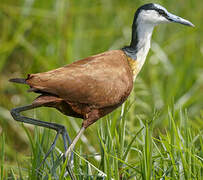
{"x": 40, "y": 35}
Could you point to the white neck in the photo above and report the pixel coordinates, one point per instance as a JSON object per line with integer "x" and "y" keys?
{"x": 140, "y": 43}
{"x": 144, "y": 33}
{"x": 142, "y": 29}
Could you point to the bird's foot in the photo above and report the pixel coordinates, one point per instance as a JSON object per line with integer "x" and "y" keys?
{"x": 66, "y": 140}
{"x": 50, "y": 150}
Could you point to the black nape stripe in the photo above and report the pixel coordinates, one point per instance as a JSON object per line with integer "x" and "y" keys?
{"x": 132, "y": 49}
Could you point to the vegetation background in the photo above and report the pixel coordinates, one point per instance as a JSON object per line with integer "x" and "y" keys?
{"x": 157, "y": 134}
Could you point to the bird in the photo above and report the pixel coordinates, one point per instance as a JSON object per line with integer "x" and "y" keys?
{"x": 95, "y": 86}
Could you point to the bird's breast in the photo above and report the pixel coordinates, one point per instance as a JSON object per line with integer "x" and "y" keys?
{"x": 134, "y": 65}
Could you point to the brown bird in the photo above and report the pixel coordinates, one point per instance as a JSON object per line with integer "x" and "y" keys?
{"x": 95, "y": 86}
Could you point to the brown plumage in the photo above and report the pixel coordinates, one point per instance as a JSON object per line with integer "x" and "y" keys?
{"x": 89, "y": 88}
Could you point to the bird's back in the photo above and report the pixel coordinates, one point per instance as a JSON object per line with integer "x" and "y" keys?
{"x": 100, "y": 81}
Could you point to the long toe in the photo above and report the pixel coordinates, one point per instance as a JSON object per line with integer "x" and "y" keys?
{"x": 50, "y": 149}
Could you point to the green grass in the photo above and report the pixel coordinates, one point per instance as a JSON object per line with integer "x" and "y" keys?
{"x": 175, "y": 153}
{"x": 157, "y": 134}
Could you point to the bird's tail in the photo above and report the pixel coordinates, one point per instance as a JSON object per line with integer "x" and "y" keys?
{"x": 18, "y": 80}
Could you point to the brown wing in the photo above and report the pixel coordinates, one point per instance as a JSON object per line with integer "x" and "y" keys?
{"x": 101, "y": 80}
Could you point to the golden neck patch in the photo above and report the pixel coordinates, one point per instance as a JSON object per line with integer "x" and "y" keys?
{"x": 134, "y": 66}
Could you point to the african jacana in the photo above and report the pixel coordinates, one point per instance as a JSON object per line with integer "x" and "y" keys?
{"x": 93, "y": 87}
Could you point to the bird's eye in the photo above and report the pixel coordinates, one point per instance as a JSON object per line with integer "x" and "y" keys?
{"x": 161, "y": 12}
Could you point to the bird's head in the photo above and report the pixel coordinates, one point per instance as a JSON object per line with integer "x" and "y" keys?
{"x": 155, "y": 14}
{"x": 146, "y": 18}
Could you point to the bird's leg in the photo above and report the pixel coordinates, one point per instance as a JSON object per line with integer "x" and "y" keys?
{"x": 50, "y": 149}
{"x": 71, "y": 147}
{"x": 59, "y": 128}
{"x": 89, "y": 119}
{"x": 70, "y": 150}
{"x": 66, "y": 138}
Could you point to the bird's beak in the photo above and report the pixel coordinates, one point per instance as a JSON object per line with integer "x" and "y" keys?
{"x": 176, "y": 19}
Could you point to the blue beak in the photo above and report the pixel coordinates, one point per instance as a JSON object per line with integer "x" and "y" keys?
{"x": 176, "y": 19}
